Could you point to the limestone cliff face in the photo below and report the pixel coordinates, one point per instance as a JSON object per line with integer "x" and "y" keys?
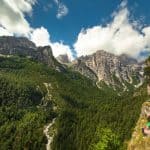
{"x": 108, "y": 67}
{"x": 81, "y": 67}
{"x": 21, "y": 46}
{"x": 44, "y": 55}
{"x": 63, "y": 59}
{"x": 138, "y": 141}
{"x": 148, "y": 89}
{"x": 10, "y": 45}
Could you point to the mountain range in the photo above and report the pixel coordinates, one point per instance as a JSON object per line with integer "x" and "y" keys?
{"x": 116, "y": 71}
{"x": 102, "y": 67}
{"x": 91, "y": 103}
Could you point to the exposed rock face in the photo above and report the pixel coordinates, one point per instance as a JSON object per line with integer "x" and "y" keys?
{"x": 22, "y": 46}
{"x": 108, "y": 67}
{"x": 80, "y": 66}
{"x": 63, "y": 59}
{"x": 10, "y": 45}
{"x": 148, "y": 89}
{"x": 138, "y": 140}
{"x": 44, "y": 54}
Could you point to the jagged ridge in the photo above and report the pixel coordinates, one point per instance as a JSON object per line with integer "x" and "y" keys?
{"x": 110, "y": 68}
{"x": 21, "y": 46}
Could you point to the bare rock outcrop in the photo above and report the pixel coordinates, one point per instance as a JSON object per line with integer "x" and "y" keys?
{"x": 113, "y": 70}
{"x": 138, "y": 140}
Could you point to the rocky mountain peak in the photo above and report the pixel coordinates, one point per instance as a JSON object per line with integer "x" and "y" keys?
{"x": 110, "y": 68}
{"x": 10, "y": 45}
{"x": 44, "y": 55}
{"x": 11, "y": 42}
{"x": 63, "y": 58}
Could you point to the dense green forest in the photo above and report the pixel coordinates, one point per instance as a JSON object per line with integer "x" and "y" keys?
{"x": 87, "y": 118}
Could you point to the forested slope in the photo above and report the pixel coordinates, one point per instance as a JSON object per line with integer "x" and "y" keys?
{"x": 86, "y": 117}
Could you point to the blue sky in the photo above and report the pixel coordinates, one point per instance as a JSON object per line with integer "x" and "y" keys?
{"x": 80, "y": 27}
{"x": 82, "y": 14}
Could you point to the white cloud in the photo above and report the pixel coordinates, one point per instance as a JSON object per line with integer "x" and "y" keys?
{"x": 4, "y": 32}
{"x": 60, "y": 48}
{"x": 47, "y": 7}
{"x": 123, "y": 4}
{"x": 62, "y": 9}
{"x": 41, "y": 37}
{"x": 12, "y": 15}
{"x": 119, "y": 36}
{"x": 146, "y": 32}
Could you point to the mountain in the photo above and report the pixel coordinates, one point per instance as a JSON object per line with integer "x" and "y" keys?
{"x": 43, "y": 108}
{"x": 63, "y": 59}
{"x": 117, "y": 71}
{"x": 21, "y": 46}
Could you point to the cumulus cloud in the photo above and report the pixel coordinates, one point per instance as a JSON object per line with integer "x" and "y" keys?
{"x": 47, "y": 7}
{"x": 60, "y": 48}
{"x": 118, "y": 37}
{"x": 4, "y": 32}
{"x": 62, "y": 9}
{"x": 146, "y": 32}
{"x": 12, "y": 15}
{"x": 41, "y": 37}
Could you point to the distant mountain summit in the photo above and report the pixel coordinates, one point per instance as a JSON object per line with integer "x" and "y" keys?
{"x": 118, "y": 71}
{"x": 21, "y": 46}
{"x": 10, "y": 45}
{"x": 102, "y": 67}
{"x": 63, "y": 58}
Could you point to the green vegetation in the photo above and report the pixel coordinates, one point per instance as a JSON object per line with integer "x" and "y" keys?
{"x": 147, "y": 70}
{"x": 21, "y": 122}
{"x": 106, "y": 140}
{"x": 86, "y": 117}
{"x": 138, "y": 140}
